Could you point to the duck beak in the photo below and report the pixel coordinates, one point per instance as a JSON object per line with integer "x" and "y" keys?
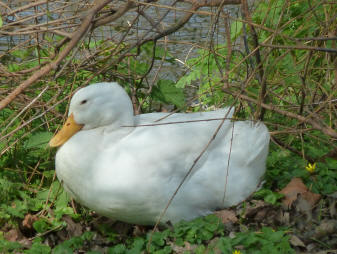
{"x": 69, "y": 128}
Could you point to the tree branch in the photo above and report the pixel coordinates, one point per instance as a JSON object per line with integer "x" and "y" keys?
{"x": 325, "y": 129}
{"x": 76, "y": 36}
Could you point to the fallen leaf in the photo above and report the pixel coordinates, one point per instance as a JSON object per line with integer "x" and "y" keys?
{"x": 310, "y": 247}
{"x": 226, "y": 216}
{"x": 74, "y": 229}
{"x": 304, "y": 206}
{"x": 295, "y": 241}
{"x": 261, "y": 215}
{"x": 332, "y": 207}
{"x": 253, "y": 207}
{"x": 292, "y": 191}
{"x": 325, "y": 228}
{"x": 25, "y": 242}
{"x": 333, "y": 195}
{"x": 232, "y": 235}
{"x": 283, "y": 217}
{"x": 29, "y": 220}
{"x": 311, "y": 197}
{"x": 183, "y": 249}
{"x": 13, "y": 235}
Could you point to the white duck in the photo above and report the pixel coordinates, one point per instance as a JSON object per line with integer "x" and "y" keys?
{"x": 129, "y": 173}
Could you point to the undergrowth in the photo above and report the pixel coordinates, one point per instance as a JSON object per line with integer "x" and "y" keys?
{"x": 208, "y": 234}
{"x": 27, "y": 178}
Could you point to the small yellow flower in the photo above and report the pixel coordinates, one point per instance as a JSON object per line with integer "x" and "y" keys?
{"x": 236, "y": 252}
{"x": 311, "y": 167}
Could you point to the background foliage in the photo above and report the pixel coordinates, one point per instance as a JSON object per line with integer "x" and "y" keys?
{"x": 275, "y": 62}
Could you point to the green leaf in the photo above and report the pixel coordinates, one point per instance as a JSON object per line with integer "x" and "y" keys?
{"x": 9, "y": 247}
{"x": 268, "y": 196}
{"x": 61, "y": 249}
{"x": 1, "y": 22}
{"x": 41, "y": 225}
{"x": 38, "y": 140}
{"x": 56, "y": 189}
{"x": 138, "y": 246}
{"x": 236, "y": 29}
{"x": 38, "y": 248}
{"x": 167, "y": 92}
{"x": 17, "y": 209}
{"x": 118, "y": 249}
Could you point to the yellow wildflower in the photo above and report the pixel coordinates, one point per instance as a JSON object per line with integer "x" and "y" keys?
{"x": 236, "y": 252}
{"x": 311, "y": 167}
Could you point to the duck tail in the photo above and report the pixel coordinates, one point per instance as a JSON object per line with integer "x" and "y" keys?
{"x": 255, "y": 136}
{"x": 261, "y": 145}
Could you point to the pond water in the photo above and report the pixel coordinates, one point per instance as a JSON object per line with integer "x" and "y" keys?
{"x": 196, "y": 31}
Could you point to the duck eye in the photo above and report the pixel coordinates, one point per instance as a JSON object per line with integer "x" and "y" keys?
{"x": 83, "y": 102}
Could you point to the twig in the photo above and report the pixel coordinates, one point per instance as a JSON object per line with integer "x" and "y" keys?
{"x": 186, "y": 175}
{"x": 325, "y": 129}
{"x": 25, "y": 7}
{"x": 260, "y": 72}
{"x": 178, "y": 122}
{"x": 53, "y": 65}
{"x": 300, "y": 47}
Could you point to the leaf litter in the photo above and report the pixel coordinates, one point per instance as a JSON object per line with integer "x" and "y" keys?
{"x": 310, "y": 220}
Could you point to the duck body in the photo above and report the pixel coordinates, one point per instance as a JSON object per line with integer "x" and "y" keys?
{"x": 129, "y": 172}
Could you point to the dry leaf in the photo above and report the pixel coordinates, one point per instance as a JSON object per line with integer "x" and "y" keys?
{"x": 183, "y": 249}
{"x": 295, "y": 241}
{"x": 325, "y": 228}
{"x": 293, "y": 189}
{"x": 226, "y": 216}
{"x": 74, "y": 229}
{"x": 29, "y": 220}
{"x": 311, "y": 197}
{"x": 254, "y": 207}
{"x": 283, "y": 217}
{"x": 13, "y": 235}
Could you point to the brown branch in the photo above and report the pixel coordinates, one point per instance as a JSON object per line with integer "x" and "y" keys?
{"x": 292, "y": 149}
{"x": 25, "y": 7}
{"x": 189, "y": 173}
{"x": 304, "y": 83}
{"x": 34, "y": 28}
{"x": 175, "y": 27}
{"x": 54, "y": 64}
{"x": 325, "y": 129}
{"x": 329, "y": 50}
{"x": 120, "y": 12}
{"x": 316, "y": 39}
{"x": 212, "y": 3}
{"x": 25, "y": 19}
{"x": 260, "y": 71}
{"x": 169, "y": 30}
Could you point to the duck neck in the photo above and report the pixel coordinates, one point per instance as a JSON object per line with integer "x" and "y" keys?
{"x": 119, "y": 128}
{"x": 123, "y": 121}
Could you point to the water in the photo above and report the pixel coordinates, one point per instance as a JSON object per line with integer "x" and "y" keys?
{"x": 195, "y": 32}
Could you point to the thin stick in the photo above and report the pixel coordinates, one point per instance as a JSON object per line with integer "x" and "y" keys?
{"x": 185, "y": 177}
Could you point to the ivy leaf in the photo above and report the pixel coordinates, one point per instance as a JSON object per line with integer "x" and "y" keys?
{"x": 167, "y": 92}
{"x": 268, "y": 196}
{"x": 38, "y": 140}
{"x": 236, "y": 30}
{"x": 41, "y": 226}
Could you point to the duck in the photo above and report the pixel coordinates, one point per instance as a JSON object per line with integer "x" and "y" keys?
{"x": 127, "y": 167}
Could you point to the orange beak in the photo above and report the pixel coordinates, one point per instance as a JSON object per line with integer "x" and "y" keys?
{"x": 69, "y": 128}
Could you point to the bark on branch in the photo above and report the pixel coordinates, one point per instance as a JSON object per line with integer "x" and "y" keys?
{"x": 76, "y": 36}
{"x": 316, "y": 125}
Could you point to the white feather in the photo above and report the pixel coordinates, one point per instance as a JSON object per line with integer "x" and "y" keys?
{"x": 130, "y": 173}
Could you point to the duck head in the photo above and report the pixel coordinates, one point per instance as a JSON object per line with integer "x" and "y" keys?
{"x": 94, "y": 106}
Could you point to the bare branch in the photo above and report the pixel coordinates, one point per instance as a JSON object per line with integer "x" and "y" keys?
{"x": 53, "y": 65}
